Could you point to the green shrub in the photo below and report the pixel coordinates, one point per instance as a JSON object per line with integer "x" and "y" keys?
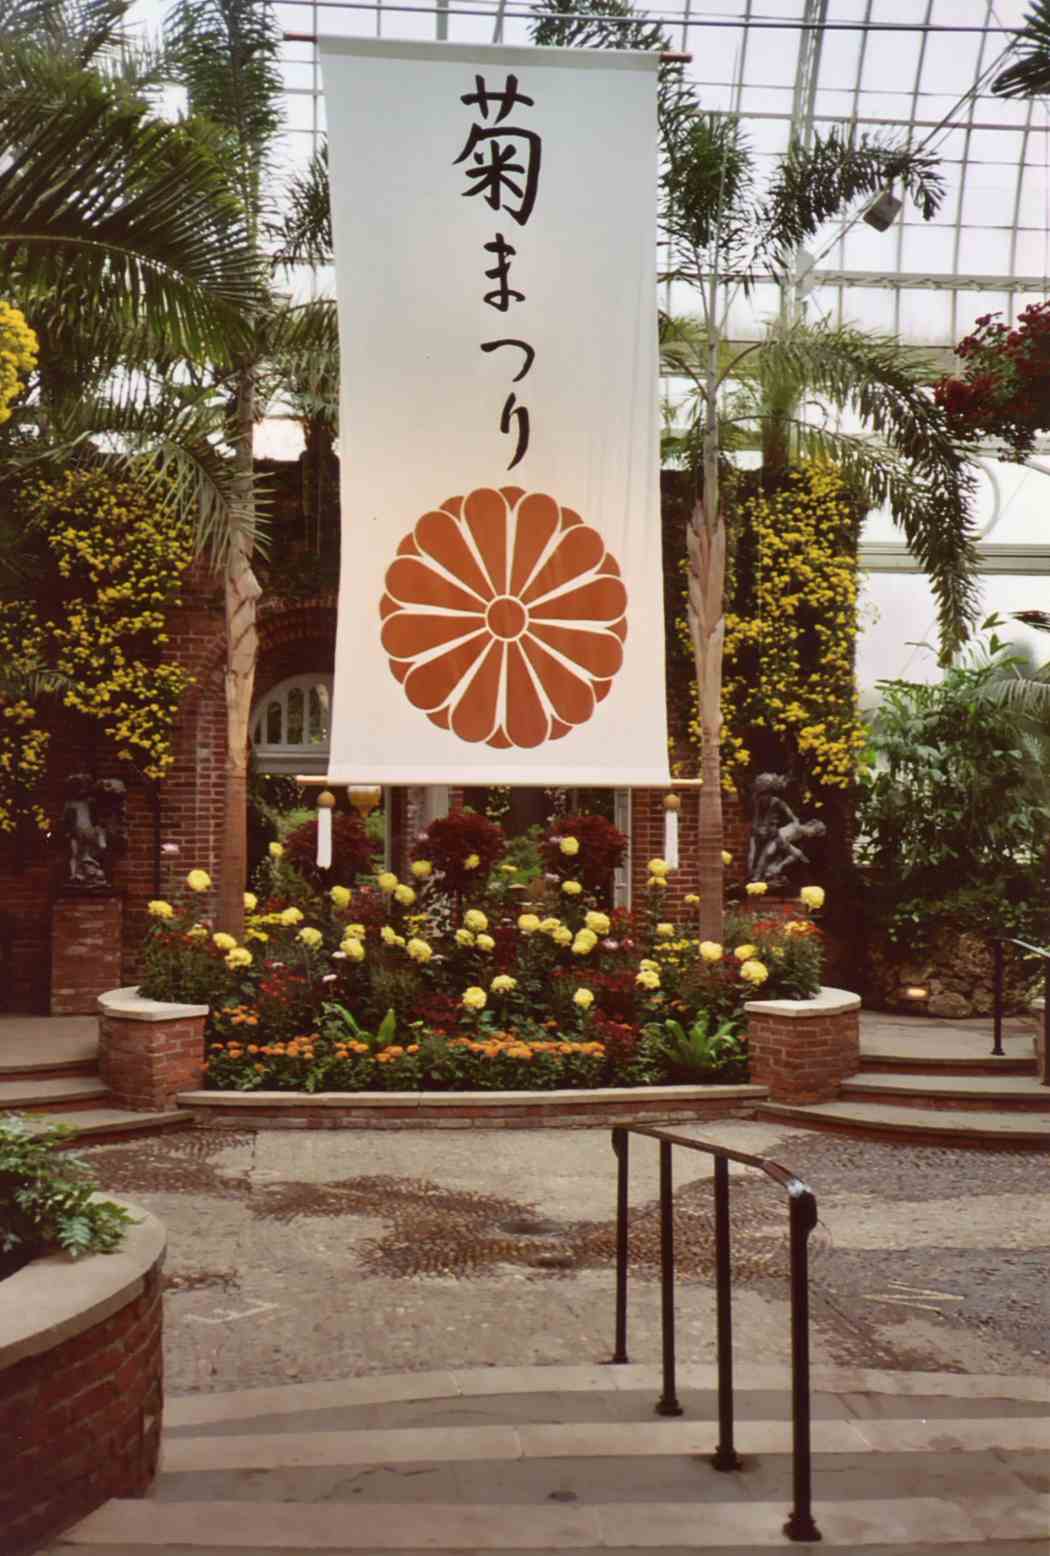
{"x": 46, "y": 1197}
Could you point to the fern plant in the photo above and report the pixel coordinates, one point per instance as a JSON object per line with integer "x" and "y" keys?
{"x": 48, "y": 1199}
{"x": 701, "y": 1050}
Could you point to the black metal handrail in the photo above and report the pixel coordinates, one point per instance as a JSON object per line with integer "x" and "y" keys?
{"x": 998, "y": 967}
{"x": 803, "y": 1218}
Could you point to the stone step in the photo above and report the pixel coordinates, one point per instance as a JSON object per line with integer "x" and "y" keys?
{"x": 40, "y": 1094}
{"x": 571, "y": 1458}
{"x": 984, "y": 1130}
{"x": 902, "y": 1063}
{"x": 1015, "y": 1092}
{"x": 99, "y": 1126}
{"x": 552, "y": 1393}
{"x": 849, "y": 1523}
{"x": 439, "y": 1445}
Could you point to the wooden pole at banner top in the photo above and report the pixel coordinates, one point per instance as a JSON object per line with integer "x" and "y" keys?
{"x": 665, "y": 58}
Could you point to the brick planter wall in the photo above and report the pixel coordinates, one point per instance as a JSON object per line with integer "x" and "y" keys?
{"x": 149, "y": 1051}
{"x": 471, "y": 1109}
{"x": 80, "y": 1385}
{"x": 86, "y": 951}
{"x": 803, "y": 1049}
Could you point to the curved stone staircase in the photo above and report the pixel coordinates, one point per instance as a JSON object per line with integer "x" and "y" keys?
{"x": 931, "y": 1082}
{"x": 574, "y": 1459}
{"x": 49, "y": 1066}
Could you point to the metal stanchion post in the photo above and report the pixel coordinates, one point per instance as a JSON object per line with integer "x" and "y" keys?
{"x": 620, "y": 1146}
{"x": 667, "y": 1404}
{"x": 725, "y": 1456}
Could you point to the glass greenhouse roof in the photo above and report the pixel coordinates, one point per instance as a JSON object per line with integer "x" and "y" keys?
{"x": 920, "y": 69}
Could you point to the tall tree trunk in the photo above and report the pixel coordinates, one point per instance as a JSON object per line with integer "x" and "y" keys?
{"x": 242, "y": 644}
{"x": 706, "y": 542}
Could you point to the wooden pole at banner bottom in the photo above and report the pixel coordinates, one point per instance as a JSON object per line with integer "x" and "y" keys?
{"x": 470, "y": 781}
{"x": 666, "y": 58}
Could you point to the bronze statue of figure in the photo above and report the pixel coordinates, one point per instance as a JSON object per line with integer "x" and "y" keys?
{"x": 776, "y": 831}
{"x": 94, "y": 823}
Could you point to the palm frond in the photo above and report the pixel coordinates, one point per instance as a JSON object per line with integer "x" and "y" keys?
{"x": 76, "y": 31}
{"x": 817, "y": 181}
{"x": 129, "y": 214}
{"x": 227, "y": 54}
{"x": 1029, "y": 75}
{"x": 304, "y": 235}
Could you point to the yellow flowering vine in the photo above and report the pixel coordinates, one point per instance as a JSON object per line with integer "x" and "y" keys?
{"x": 18, "y": 355}
{"x": 119, "y": 551}
{"x": 789, "y": 647}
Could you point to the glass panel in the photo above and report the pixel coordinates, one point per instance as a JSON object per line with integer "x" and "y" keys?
{"x": 314, "y": 717}
{"x": 295, "y": 717}
{"x": 274, "y": 721}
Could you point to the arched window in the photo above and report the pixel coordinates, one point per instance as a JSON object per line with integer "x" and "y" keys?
{"x": 290, "y": 726}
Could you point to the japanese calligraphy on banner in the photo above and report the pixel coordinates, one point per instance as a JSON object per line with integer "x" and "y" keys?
{"x": 500, "y": 605}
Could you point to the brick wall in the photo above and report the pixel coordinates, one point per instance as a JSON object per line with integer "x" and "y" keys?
{"x": 145, "y": 1064}
{"x": 85, "y": 952}
{"x": 803, "y": 1055}
{"x": 647, "y": 842}
{"x": 80, "y": 1423}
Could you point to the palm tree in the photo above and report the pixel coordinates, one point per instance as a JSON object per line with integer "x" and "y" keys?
{"x": 121, "y": 220}
{"x": 226, "y": 54}
{"x": 723, "y": 232}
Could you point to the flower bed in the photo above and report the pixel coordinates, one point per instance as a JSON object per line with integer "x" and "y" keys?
{"x": 453, "y": 981}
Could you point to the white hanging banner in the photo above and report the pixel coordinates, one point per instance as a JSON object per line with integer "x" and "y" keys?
{"x": 500, "y": 605}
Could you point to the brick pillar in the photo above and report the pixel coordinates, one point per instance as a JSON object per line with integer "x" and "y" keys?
{"x": 86, "y": 935}
{"x": 803, "y": 1049}
{"x": 149, "y": 1051}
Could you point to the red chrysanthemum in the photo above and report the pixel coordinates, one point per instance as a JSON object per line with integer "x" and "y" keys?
{"x": 504, "y": 617}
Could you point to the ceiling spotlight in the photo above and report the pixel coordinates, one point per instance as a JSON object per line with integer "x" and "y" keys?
{"x": 882, "y": 212}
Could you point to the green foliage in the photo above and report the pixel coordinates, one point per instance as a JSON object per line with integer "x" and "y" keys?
{"x": 339, "y": 1023}
{"x": 703, "y": 1049}
{"x": 953, "y": 827}
{"x": 48, "y": 1198}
